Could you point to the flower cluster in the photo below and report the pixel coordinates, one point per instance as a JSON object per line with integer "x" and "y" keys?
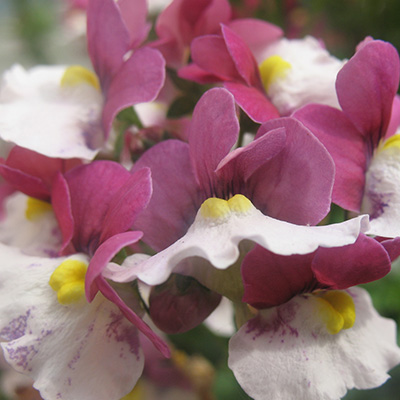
{"x": 128, "y": 214}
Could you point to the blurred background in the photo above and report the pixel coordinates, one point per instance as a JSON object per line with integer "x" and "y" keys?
{"x": 52, "y": 32}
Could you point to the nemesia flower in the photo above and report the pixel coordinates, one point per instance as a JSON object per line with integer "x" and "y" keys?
{"x": 72, "y": 101}
{"x": 184, "y": 20}
{"x": 360, "y": 136}
{"x": 213, "y": 184}
{"x": 327, "y": 338}
{"x": 95, "y": 205}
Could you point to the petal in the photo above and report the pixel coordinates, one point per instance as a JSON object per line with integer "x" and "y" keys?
{"x": 286, "y": 352}
{"x": 56, "y": 345}
{"x": 293, "y": 186}
{"x": 139, "y": 80}
{"x": 253, "y": 101}
{"x": 38, "y": 234}
{"x": 347, "y": 147}
{"x": 241, "y": 55}
{"x": 382, "y": 196}
{"x": 257, "y": 34}
{"x": 176, "y": 197}
{"x": 108, "y": 38}
{"x": 213, "y": 132}
{"x": 366, "y": 87}
{"x": 34, "y": 105}
{"x": 340, "y": 268}
{"x": 209, "y": 52}
{"x": 216, "y": 239}
{"x": 242, "y": 162}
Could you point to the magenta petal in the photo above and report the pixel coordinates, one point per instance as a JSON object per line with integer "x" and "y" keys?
{"x": 253, "y": 101}
{"x": 112, "y": 295}
{"x": 175, "y": 199}
{"x": 256, "y": 33}
{"x": 392, "y": 246}
{"x": 127, "y": 203}
{"x": 193, "y": 72}
{"x": 213, "y": 131}
{"x": 139, "y": 80}
{"x": 366, "y": 86}
{"x": 61, "y": 202}
{"x": 270, "y": 279}
{"x": 210, "y": 53}
{"x": 347, "y": 147}
{"x": 217, "y": 12}
{"x": 134, "y": 14}
{"x": 241, "y": 163}
{"x": 340, "y": 268}
{"x": 242, "y": 57}
{"x": 95, "y": 190}
{"x": 103, "y": 256}
{"x": 108, "y": 39}
{"x": 394, "y": 118}
{"x": 295, "y": 185}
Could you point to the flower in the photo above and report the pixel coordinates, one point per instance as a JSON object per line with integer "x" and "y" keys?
{"x": 360, "y": 136}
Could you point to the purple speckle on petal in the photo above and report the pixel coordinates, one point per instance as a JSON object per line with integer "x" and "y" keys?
{"x": 16, "y": 328}
{"x": 121, "y": 332}
{"x": 21, "y": 356}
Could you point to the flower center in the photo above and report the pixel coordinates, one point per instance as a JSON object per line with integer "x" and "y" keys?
{"x": 337, "y": 310}
{"x": 68, "y": 280}
{"x": 76, "y": 75}
{"x": 273, "y": 68}
{"x": 216, "y": 208}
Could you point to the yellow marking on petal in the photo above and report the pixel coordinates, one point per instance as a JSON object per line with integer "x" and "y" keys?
{"x": 273, "y": 68}
{"x": 137, "y": 393}
{"x": 239, "y": 203}
{"x": 68, "y": 280}
{"x": 393, "y": 141}
{"x": 76, "y": 75}
{"x": 36, "y": 208}
{"x": 216, "y": 208}
{"x": 337, "y": 310}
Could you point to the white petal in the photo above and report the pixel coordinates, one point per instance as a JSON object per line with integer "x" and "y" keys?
{"x": 38, "y": 114}
{"x": 286, "y": 352}
{"x": 221, "y": 320}
{"x": 217, "y": 241}
{"x": 37, "y": 237}
{"x": 382, "y": 192}
{"x": 80, "y": 351}
{"x": 310, "y": 80}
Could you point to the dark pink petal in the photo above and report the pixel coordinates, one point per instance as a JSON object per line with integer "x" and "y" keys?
{"x": 138, "y": 80}
{"x": 33, "y": 173}
{"x": 215, "y": 13}
{"x": 95, "y": 189}
{"x": 366, "y": 86}
{"x": 244, "y": 60}
{"x": 394, "y": 118}
{"x": 210, "y": 54}
{"x": 61, "y": 202}
{"x": 213, "y": 132}
{"x": 193, "y": 72}
{"x": 253, "y": 102}
{"x": 241, "y": 163}
{"x": 127, "y": 203}
{"x": 342, "y": 267}
{"x": 392, "y": 246}
{"x": 256, "y": 33}
{"x": 270, "y": 279}
{"x": 176, "y": 197}
{"x": 103, "y": 255}
{"x": 108, "y": 38}
{"x": 109, "y": 293}
{"x": 347, "y": 147}
{"x": 295, "y": 185}
{"x": 134, "y": 14}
